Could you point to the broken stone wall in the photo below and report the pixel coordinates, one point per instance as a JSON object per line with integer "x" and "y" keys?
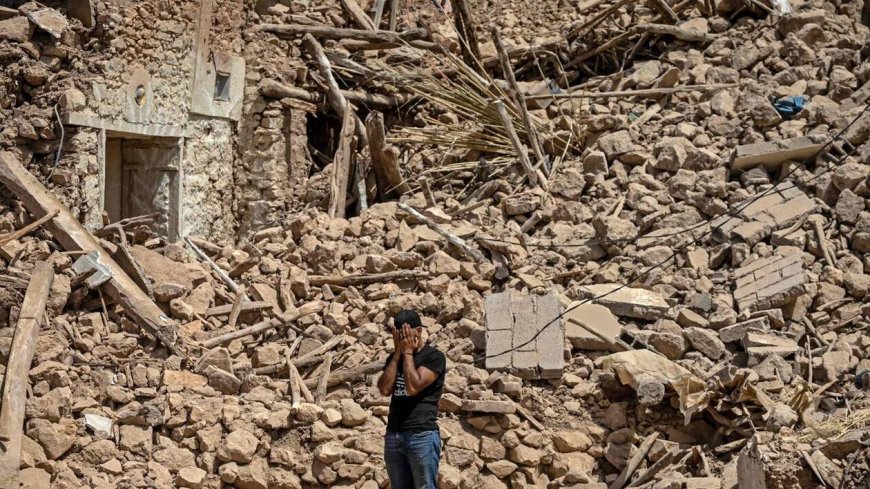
{"x": 208, "y": 207}
{"x": 273, "y": 170}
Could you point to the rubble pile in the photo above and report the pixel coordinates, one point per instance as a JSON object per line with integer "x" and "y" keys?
{"x": 647, "y": 267}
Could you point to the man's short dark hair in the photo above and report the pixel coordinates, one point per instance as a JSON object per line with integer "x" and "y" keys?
{"x": 407, "y": 316}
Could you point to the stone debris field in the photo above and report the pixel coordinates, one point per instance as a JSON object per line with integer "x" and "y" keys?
{"x": 639, "y": 231}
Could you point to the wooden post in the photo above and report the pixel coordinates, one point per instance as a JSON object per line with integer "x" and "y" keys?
{"x": 333, "y": 94}
{"x": 517, "y": 95}
{"x": 320, "y": 391}
{"x": 384, "y": 158}
{"x": 357, "y": 14}
{"x": 341, "y": 165}
{"x": 72, "y": 236}
{"x": 349, "y": 375}
{"x": 379, "y": 12}
{"x": 467, "y": 37}
{"x": 394, "y": 12}
{"x": 17, "y": 369}
{"x": 452, "y": 238}
{"x": 519, "y": 147}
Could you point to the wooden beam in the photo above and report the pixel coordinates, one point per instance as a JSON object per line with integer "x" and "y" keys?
{"x": 20, "y": 233}
{"x": 379, "y": 13}
{"x": 450, "y": 237}
{"x": 519, "y": 147}
{"x": 355, "y": 12}
{"x": 349, "y": 375}
{"x": 341, "y": 165}
{"x": 518, "y": 96}
{"x": 245, "y": 307}
{"x": 467, "y": 37}
{"x": 394, "y": 12}
{"x": 646, "y": 92}
{"x": 262, "y": 326}
{"x": 336, "y": 100}
{"x": 323, "y": 32}
{"x": 635, "y": 461}
{"x": 369, "y": 278}
{"x": 274, "y": 89}
{"x": 384, "y": 158}
{"x": 16, "y": 378}
{"x": 72, "y": 236}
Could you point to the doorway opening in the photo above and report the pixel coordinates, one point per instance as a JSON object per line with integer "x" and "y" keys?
{"x": 143, "y": 176}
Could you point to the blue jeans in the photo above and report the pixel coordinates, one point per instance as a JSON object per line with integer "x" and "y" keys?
{"x": 412, "y": 459}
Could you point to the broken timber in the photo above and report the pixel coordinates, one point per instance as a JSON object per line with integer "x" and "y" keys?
{"x": 384, "y": 158}
{"x": 517, "y": 95}
{"x": 333, "y": 94}
{"x": 275, "y": 89}
{"x": 17, "y": 369}
{"x": 519, "y": 147}
{"x": 341, "y": 165}
{"x": 262, "y": 326}
{"x": 297, "y": 30}
{"x": 72, "y": 236}
{"x": 646, "y": 92}
{"x": 373, "y": 278}
{"x": 452, "y": 238}
{"x": 26, "y": 229}
{"x": 467, "y": 38}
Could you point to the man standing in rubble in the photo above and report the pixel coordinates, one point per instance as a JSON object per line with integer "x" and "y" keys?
{"x": 414, "y": 378}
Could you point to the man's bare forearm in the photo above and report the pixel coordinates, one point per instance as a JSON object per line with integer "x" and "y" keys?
{"x": 412, "y": 377}
{"x": 387, "y": 381}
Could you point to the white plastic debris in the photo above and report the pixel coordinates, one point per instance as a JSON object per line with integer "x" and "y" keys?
{"x": 100, "y": 425}
{"x": 783, "y": 7}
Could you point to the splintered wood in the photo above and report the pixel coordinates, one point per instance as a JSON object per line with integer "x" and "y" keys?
{"x": 16, "y": 379}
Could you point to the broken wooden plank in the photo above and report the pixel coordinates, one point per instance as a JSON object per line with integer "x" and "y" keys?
{"x": 519, "y": 147}
{"x": 72, "y": 236}
{"x": 450, "y": 237}
{"x": 750, "y": 468}
{"x": 355, "y": 12}
{"x": 675, "y": 453}
{"x": 349, "y": 375}
{"x": 275, "y": 89}
{"x": 217, "y": 270}
{"x": 16, "y": 379}
{"x": 20, "y": 233}
{"x": 635, "y": 461}
{"x": 262, "y": 326}
{"x": 323, "y": 32}
{"x": 245, "y": 307}
{"x": 379, "y": 13}
{"x": 518, "y": 96}
{"x": 320, "y": 391}
{"x": 468, "y": 43}
{"x": 236, "y": 310}
{"x": 368, "y": 278}
{"x": 646, "y": 92}
{"x": 341, "y": 165}
{"x": 336, "y": 100}
{"x": 384, "y": 158}
{"x": 394, "y": 12}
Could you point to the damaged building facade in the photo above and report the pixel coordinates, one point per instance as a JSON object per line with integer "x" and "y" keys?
{"x": 155, "y": 111}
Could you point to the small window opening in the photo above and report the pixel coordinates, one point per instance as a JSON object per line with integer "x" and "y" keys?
{"x": 222, "y": 87}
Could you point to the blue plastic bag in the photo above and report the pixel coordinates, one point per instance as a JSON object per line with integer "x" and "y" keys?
{"x": 789, "y": 106}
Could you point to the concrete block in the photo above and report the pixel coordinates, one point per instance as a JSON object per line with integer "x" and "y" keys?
{"x": 736, "y": 332}
{"x": 593, "y": 316}
{"x": 629, "y": 302}
{"x": 528, "y": 326}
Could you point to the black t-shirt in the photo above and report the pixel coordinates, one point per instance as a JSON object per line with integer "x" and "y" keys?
{"x": 417, "y": 413}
